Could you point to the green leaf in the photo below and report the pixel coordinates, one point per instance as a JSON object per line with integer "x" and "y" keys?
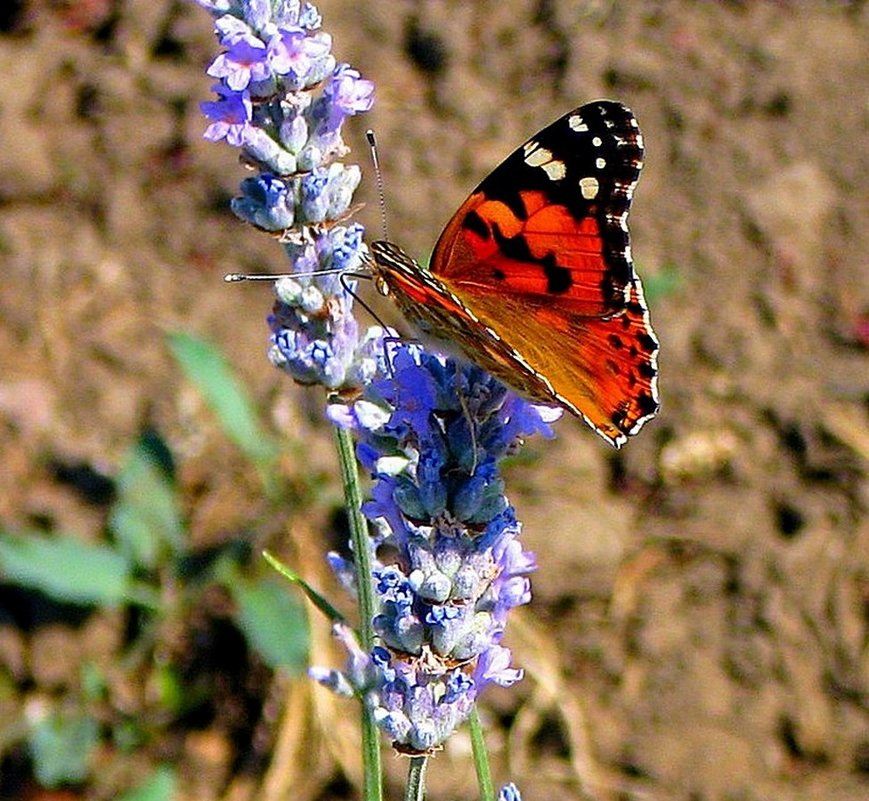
{"x": 206, "y": 367}
{"x": 145, "y": 518}
{"x": 61, "y": 746}
{"x": 313, "y": 596}
{"x": 65, "y": 568}
{"x": 159, "y": 786}
{"x": 273, "y": 621}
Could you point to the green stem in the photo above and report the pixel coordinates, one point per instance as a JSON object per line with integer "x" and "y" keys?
{"x": 415, "y": 790}
{"x": 372, "y": 784}
{"x": 481, "y": 757}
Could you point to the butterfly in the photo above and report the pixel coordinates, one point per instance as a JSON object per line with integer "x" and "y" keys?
{"x": 532, "y": 278}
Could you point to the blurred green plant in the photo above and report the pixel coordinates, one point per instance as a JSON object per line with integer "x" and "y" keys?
{"x": 159, "y": 786}
{"x": 148, "y": 568}
{"x": 62, "y": 744}
{"x": 666, "y": 281}
{"x": 224, "y": 393}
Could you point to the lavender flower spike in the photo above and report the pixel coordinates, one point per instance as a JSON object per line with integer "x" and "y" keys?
{"x": 282, "y": 100}
{"x": 457, "y": 568}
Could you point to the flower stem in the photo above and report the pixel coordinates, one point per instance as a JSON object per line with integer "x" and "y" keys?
{"x": 372, "y": 781}
{"x": 415, "y": 790}
{"x": 481, "y": 757}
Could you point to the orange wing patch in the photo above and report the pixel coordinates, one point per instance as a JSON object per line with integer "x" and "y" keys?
{"x": 603, "y": 369}
{"x": 546, "y": 254}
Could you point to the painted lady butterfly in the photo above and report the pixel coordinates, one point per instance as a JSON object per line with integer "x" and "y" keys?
{"x": 532, "y": 278}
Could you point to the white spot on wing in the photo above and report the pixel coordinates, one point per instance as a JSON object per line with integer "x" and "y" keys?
{"x": 576, "y": 123}
{"x": 589, "y": 187}
{"x": 555, "y": 169}
{"x": 600, "y": 163}
{"x": 538, "y": 156}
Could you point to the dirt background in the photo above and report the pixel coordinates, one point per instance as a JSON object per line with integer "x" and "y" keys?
{"x": 700, "y": 628}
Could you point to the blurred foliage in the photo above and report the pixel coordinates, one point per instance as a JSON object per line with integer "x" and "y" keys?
{"x": 666, "y": 281}
{"x": 206, "y": 367}
{"x": 62, "y": 745}
{"x": 66, "y": 569}
{"x": 159, "y": 786}
{"x": 147, "y": 568}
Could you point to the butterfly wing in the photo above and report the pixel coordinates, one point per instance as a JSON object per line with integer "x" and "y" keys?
{"x": 539, "y": 256}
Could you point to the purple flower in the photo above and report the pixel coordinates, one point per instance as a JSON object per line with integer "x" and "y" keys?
{"x": 314, "y": 200}
{"x": 411, "y": 391}
{"x": 231, "y": 113}
{"x": 295, "y": 55}
{"x": 315, "y": 349}
{"x": 493, "y": 667}
{"x": 309, "y": 17}
{"x": 262, "y": 147}
{"x": 382, "y": 505}
{"x": 458, "y": 567}
{"x": 267, "y": 202}
{"x": 257, "y": 13}
{"x": 369, "y": 360}
{"x": 416, "y": 707}
{"x": 293, "y": 132}
{"x": 397, "y": 624}
{"x": 509, "y": 792}
{"x": 346, "y": 94}
{"x": 265, "y": 15}
{"x": 245, "y": 61}
{"x": 315, "y": 338}
{"x": 230, "y": 29}
{"x": 346, "y": 247}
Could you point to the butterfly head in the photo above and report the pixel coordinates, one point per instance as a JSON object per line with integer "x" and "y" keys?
{"x": 386, "y": 260}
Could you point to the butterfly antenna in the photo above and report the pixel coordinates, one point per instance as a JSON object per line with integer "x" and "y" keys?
{"x": 234, "y": 278}
{"x": 378, "y": 176}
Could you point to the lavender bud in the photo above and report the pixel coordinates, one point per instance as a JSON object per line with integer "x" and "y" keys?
{"x": 260, "y": 146}
{"x": 266, "y": 202}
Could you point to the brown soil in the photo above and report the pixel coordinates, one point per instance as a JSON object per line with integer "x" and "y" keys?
{"x": 700, "y": 628}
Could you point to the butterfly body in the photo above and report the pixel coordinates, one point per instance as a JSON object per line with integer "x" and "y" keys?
{"x": 532, "y": 278}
